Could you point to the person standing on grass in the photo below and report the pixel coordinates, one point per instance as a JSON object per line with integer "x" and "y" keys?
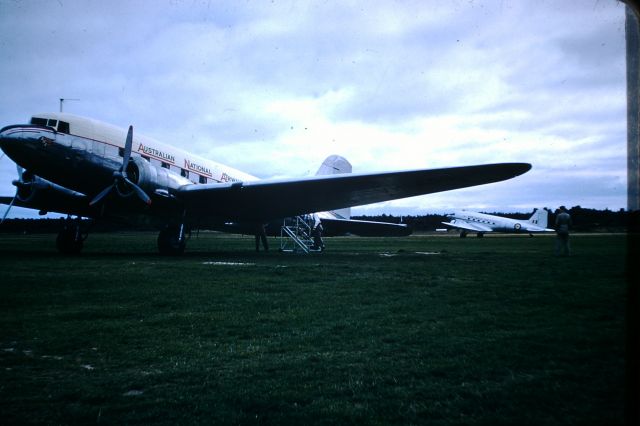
{"x": 261, "y": 236}
{"x": 563, "y": 223}
{"x": 318, "y": 244}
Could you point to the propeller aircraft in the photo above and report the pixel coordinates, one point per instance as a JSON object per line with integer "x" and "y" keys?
{"x": 82, "y": 167}
{"x": 481, "y": 223}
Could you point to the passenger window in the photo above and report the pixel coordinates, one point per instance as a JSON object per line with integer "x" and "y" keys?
{"x": 202, "y": 179}
{"x": 121, "y": 152}
{"x": 184, "y": 173}
{"x": 110, "y": 151}
{"x": 97, "y": 147}
{"x": 165, "y": 165}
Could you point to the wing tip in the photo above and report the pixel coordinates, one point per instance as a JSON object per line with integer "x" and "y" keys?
{"x": 523, "y": 167}
{"x": 512, "y": 169}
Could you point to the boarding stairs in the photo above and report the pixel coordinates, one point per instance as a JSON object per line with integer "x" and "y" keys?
{"x": 296, "y": 236}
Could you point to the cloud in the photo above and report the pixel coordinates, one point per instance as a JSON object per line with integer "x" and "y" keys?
{"x": 272, "y": 88}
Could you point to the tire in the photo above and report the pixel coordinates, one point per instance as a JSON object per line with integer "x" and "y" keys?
{"x": 169, "y": 243}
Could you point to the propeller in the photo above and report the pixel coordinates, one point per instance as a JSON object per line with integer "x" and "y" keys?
{"x": 120, "y": 177}
{"x": 13, "y": 200}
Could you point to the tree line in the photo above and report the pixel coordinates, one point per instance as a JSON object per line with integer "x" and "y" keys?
{"x": 584, "y": 220}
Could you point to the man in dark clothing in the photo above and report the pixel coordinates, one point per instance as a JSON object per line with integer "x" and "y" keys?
{"x": 318, "y": 244}
{"x": 261, "y": 235}
{"x": 563, "y": 223}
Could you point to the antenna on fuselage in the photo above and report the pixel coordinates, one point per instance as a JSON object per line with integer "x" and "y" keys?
{"x": 66, "y": 99}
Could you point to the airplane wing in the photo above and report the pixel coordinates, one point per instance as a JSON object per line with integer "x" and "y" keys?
{"x": 74, "y": 206}
{"x": 468, "y": 226}
{"x": 265, "y": 200}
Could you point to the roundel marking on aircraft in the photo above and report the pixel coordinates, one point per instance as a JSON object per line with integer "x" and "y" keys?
{"x": 517, "y": 226}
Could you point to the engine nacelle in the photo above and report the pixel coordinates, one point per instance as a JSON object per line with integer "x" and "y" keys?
{"x": 150, "y": 178}
{"x": 32, "y": 189}
{"x": 38, "y": 193}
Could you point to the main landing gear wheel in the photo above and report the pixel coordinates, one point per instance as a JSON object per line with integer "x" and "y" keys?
{"x": 70, "y": 238}
{"x": 172, "y": 241}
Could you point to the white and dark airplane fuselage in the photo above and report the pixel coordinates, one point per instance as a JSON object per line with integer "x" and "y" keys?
{"x": 83, "y": 167}
{"x": 481, "y": 223}
{"x": 84, "y": 159}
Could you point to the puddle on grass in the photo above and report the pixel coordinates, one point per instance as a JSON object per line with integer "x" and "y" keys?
{"x": 56, "y": 357}
{"x": 417, "y": 252}
{"x": 228, "y": 263}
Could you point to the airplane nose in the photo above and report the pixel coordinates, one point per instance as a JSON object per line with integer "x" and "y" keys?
{"x": 22, "y": 143}
{"x": 5, "y": 139}
{"x": 9, "y": 137}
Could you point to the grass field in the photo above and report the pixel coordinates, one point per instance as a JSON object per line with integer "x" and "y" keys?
{"x": 424, "y": 329}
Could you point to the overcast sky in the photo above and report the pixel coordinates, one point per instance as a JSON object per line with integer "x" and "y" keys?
{"x": 273, "y": 87}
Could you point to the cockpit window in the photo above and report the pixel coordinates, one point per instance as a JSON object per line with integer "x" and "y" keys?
{"x": 63, "y": 127}
{"x": 39, "y": 121}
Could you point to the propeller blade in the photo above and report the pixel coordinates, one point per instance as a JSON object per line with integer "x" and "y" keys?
{"x": 139, "y": 192}
{"x": 127, "y": 150}
{"x": 13, "y": 200}
{"x": 121, "y": 176}
{"x": 8, "y": 208}
{"x": 101, "y": 195}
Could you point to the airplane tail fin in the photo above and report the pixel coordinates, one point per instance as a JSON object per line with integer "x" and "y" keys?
{"x": 334, "y": 165}
{"x": 539, "y": 217}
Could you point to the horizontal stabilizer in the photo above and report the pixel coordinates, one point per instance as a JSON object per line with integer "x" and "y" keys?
{"x": 364, "y": 228}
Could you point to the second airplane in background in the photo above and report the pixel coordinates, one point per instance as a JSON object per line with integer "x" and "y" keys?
{"x": 482, "y": 223}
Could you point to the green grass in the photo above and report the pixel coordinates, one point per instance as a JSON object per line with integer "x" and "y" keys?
{"x": 424, "y": 329}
